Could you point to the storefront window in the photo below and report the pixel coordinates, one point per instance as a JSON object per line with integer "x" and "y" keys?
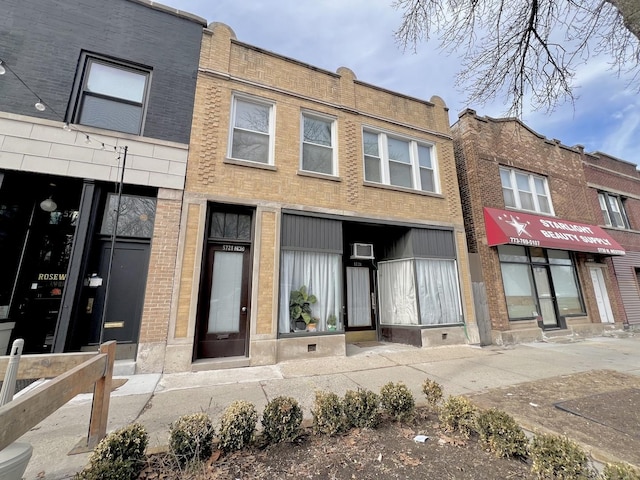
{"x": 397, "y": 285}
{"x": 137, "y": 216}
{"x": 519, "y": 291}
{"x": 566, "y": 288}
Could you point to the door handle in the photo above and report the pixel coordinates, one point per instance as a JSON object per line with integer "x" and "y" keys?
{"x": 243, "y": 309}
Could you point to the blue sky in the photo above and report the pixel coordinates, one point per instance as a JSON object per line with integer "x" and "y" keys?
{"x": 358, "y": 34}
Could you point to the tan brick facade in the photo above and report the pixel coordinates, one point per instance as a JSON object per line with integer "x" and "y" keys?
{"x": 482, "y": 146}
{"x": 230, "y": 67}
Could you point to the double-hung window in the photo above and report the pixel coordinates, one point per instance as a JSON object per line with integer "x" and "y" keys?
{"x": 113, "y": 95}
{"x": 525, "y": 191}
{"x": 613, "y": 210}
{"x": 318, "y": 139}
{"x": 398, "y": 161}
{"x": 252, "y": 130}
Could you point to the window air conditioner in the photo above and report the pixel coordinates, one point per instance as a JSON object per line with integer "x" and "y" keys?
{"x": 362, "y": 251}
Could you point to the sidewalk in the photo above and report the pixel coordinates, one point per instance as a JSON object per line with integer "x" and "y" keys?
{"x": 157, "y": 400}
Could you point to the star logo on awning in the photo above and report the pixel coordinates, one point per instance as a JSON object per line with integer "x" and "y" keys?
{"x": 520, "y": 227}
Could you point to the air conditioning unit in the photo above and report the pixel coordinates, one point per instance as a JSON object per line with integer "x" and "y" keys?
{"x": 362, "y": 251}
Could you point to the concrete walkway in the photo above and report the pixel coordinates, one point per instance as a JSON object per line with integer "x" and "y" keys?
{"x": 157, "y": 400}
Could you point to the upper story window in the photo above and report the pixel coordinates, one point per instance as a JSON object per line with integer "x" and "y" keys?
{"x": 613, "y": 210}
{"x": 112, "y": 95}
{"x": 318, "y": 138}
{"x": 399, "y": 161}
{"x": 252, "y": 130}
{"x": 525, "y": 191}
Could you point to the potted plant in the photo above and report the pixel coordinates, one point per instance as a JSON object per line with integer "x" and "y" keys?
{"x": 312, "y": 324}
{"x": 300, "y": 308}
{"x": 332, "y": 323}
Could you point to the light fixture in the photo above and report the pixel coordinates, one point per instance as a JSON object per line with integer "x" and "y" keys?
{"x": 48, "y": 205}
{"x": 2, "y": 69}
{"x": 40, "y": 106}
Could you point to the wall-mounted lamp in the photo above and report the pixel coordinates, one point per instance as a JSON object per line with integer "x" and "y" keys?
{"x": 48, "y": 205}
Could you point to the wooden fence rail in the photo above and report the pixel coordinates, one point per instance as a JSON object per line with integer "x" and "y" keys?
{"x": 72, "y": 373}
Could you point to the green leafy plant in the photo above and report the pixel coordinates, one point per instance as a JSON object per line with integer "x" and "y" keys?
{"x": 237, "y": 425}
{"x": 282, "y": 420}
{"x": 328, "y": 414}
{"x": 361, "y": 408}
{"x": 458, "y": 415}
{"x": 619, "y": 471}
{"x": 332, "y": 322}
{"x": 500, "y": 433}
{"x": 555, "y": 456}
{"x": 433, "y": 391}
{"x": 119, "y": 456}
{"x": 300, "y": 302}
{"x": 191, "y": 437}
{"x": 397, "y": 401}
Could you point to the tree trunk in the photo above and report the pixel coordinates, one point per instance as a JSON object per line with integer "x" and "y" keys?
{"x": 630, "y": 11}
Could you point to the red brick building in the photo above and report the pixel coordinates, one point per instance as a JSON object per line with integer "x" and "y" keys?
{"x": 539, "y": 259}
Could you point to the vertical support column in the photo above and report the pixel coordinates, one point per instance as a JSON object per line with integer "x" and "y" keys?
{"x": 101, "y": 398}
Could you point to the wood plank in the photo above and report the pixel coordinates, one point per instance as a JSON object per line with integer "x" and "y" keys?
{"x": 46, "y": 366}
{"x": 101, "y": 398}
{"x": 20, "y": 415}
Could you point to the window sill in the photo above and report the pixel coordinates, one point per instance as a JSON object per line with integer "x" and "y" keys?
{"x": 617, "y": 229}
{"x": 323, "y": 176}
{"x": 310, "y": 334}
{"x": 249, "y": 163}
{"x": 402, "y": 189}
{"x": 530, "y": 212}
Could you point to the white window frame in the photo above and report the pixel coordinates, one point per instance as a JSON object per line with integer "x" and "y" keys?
{"x": 237, "y": 97}
{"x": 532, "y": 190}
{"x": 383, "y": 152}
{"x": 334, "y": 143}
{"x": 608, "y": 204}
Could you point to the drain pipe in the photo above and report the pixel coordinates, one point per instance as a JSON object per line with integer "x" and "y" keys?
{"x": 9, "y": 383}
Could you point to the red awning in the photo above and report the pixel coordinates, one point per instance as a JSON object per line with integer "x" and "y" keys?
{"x": 517, "y": 228}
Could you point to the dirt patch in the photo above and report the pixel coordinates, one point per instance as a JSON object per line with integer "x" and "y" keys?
{"x": 603, "y": 394}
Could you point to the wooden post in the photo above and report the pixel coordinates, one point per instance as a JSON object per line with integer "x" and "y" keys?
{"x": 101, "y": 398}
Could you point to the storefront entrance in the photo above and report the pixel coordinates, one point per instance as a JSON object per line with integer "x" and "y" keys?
{"x": 361, "y": 298}
{"x": 546, "y": 299}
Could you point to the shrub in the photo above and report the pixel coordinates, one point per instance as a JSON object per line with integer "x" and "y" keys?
{"x": 458, "y": 415}
{"x": 500, "y": 433}
{"x": 555, "y": 456}
{"x": 120, "y": 455}
{"x": 328, "y": 414}
{"x": 191, "y": 437}
{"x": 361, "y": 408}
{"x": 237, "y": 425}
{"x": 397, "y": 400}
{"x": 281, "y": 420}
{"x": 433, "y": 391}
{"x": 619, "y": 471}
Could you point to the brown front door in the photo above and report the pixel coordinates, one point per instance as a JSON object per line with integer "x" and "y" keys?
{"x": 223, "y": 314}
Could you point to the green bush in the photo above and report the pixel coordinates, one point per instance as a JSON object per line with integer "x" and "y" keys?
{"x": 191, "y": 437}
{"x": 328, "y": 414}
{"x": 281, "y": 420}
{"x": 458, "y": 415}
{"x": 397, "y": 400}
{"x": 500, "y": 433}
{"x": 433, "y": 391}
{"x": 619, "y": 471}
{"x": 555, "y": 456}
{"x": 119, "y": 456}
{"x": 237, "y": 425}
{"x": 361, "y": 408}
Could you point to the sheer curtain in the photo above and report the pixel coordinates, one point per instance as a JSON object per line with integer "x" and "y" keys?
{"x": 396, "y": 282}
{"x": 358, "y": 297}
{"x": 320, "y": 273}
{"x": 438, "y": 291}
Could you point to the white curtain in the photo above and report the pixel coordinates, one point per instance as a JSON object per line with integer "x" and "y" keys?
{"x": 321, "y": 274}
{"x": 224, "y": 307}
{"x": 396, "y": 282}
{"x": 438, "y": 291}
{"x": 358, "y": 297}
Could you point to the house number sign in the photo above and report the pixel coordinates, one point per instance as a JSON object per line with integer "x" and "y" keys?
{"x": 233, "y": 248}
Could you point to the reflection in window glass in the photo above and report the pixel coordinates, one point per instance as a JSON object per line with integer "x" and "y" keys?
{"x": 566, "y": 289}
{"x": 512, "y": 253}
{"x": 230, "y": 226}
{"x": 518, "y": 290}
{"x": 137, "y": 216}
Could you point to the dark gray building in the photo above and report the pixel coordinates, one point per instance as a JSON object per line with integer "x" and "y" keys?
{"x": 96, "y": 103}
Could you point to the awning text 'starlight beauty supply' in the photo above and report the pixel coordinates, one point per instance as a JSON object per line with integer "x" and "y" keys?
{"x": 517, "y": 228}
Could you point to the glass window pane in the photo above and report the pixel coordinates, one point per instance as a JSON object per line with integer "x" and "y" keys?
{"x": 250, "y": 146}
{"x": 537, "y": 255}
{"x": 231, "y": 225}
{"x": 226, "y": 288}
{"x": 509, "y": 198}
{"x": 116, "y": 82}
{"x": 137, "y": 216}
{"x": 559, "y": 257}
{"x": 512, "y": 253}
{"x": 505, "y": 177}
{"x": 424, "y": 156}
{"x": 539, "y": 185}
{"x": 358, "y": 297}
{"x": 526, "y": 201}
{"x": 566, "y": 290}
{"x": 217, "y": 225}
{"x": 252, "y": 116}
{"x": 523, "y": 182}
{"x": 543, "y": 202}
{"x": 370, "y": 144}
{"x": 400, "y": 175}
{"x": 317, "y": 159}
{"x": 518, "y": 290}
{"x": 397, "y": 293}
{"x": 110, "y": 114}
{"x": 426, "y": 180}
{"x": 317, "y": 131}
{"x": 605, "y": 211}
{"x": 438, "y": 292}
{"x": 398, "y": 150}
{"x": 244, "y": 227}
{"x": 372, "y": 169}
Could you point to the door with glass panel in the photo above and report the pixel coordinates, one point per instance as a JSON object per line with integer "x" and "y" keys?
{"x": 546, "y": 299}
{"x": 361, "y": 299}
{"x": 224, "y": 307}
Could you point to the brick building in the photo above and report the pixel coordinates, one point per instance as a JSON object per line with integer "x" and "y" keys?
{"x": 103, "y": 76}
{"x": 538, "y": 257}
{"x": 614, "y": 193}
{"x": 310, "y": 185}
